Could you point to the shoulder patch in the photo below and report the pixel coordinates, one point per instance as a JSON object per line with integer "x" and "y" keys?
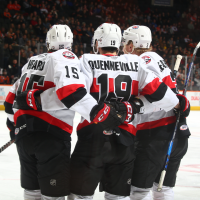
{"x": 68, "y": 54}
{"x": 147, "y": 59}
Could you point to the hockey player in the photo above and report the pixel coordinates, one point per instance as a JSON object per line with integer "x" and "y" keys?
{"x": 106, "y": 157}
{"x": 110, "y": 77}
{"x": 43, "y": 137}
{"x": 154, "y": 130}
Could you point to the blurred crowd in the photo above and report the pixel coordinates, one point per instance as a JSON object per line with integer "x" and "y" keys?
{"x": 24, "y": 24}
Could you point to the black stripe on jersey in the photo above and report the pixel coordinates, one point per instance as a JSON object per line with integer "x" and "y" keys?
{"x": 158, "y": 94}
{"x": 8, "y": 108}
{"x": 174, "y": 90}
{"x": 28, "y": 124}
{"x": 74, "y": 97}
{"x": 95, "y": 95}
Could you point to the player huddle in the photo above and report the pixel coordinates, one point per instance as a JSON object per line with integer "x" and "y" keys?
{"x": 127, "y": 105}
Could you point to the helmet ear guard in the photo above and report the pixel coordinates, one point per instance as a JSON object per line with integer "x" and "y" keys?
{"x": 59, "y": 37}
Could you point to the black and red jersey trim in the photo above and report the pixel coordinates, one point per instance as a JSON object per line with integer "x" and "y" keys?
{"x": 158, "y": 94}
{"x": 41, "y": 121}
{"x": 9, "y": 102}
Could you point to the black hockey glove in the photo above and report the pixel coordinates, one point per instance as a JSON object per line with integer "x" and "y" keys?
{"x": 137, "y": 104}
{"x": 106, "y": 116}
{"x": 11, "y": 127}
{"x": 28, "y": 100}
{"x": 184, "y": 106}
{"x": 125, "y": 109}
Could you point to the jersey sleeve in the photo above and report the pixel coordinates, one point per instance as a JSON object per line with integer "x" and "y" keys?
{"x": 154, "y": 90}
{"x": 10, "y": 100}
{"x": 87, "y": 72}
{"x": 70, "y": 86}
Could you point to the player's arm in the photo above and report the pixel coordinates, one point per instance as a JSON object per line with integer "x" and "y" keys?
{"x": 9, "y": 110}
{"x": 153, "y": 90}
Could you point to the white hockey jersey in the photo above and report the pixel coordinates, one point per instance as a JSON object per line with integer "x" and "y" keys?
{"x": 159, "y": 122}
{"x": 58, "y": 75}
{"x": 111, "y": 78}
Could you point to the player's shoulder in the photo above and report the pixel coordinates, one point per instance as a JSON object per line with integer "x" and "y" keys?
{"x": 130, "y": 57}
{"x": 149, "y": 56}
{"x": 88, "y": 56}
{"x": 63, "y": 54}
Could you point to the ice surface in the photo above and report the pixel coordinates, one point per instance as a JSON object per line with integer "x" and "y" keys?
{"x": 188, "y": 177}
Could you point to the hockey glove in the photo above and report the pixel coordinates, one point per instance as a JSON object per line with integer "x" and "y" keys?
{"x": 125, "y": 109}
{"x": 11, "y": 127}
{"x": 28, "y": 100}
{"x": 106, "y": 116}
{"x": 184, "y": 106}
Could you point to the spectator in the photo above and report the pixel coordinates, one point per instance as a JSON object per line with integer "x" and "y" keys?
{"x": 16, "y": 6}
{"x": 187, "y": 39}
{"x": 26, "y": 6}
{"x": 10, "y": 5}
{"x": 13, "y": 70}
{"x": 191, "y": 25}
{"x": 4, "y": 78}
{"x": 7, "y": 14}
{"x": 23, "y": 40}
{"x": 9, "y": 36}
{"x": 43, "y": 9}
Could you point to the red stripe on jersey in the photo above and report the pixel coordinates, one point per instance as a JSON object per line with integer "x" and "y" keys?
{"x": 111, "y": 85}
{"x": 150, "y": 88}
{"x": 134, "y": 89}
{"x": 157, "y": 123}
{"x": 168, "y": 81}
{"x": 10, "y": 97}
{"x": 47, "y": 85}
{"x": 25, "y": 84}
{"x": 83, "y": 124}
{"x": 129, "y": 128}
{"x": 94, "y": 87}
{"x": 46, "y": 117}
{"x": 67, "y": 90}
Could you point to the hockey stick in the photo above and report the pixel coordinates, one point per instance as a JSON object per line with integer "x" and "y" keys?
{"x": 160, "y": 184}
{"x": 5, "y": 146}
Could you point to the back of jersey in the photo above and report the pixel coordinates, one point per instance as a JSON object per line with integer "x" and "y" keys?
{"x": 110, "y": 78}
{"x": 47, "y": 72}
{"x": 160, "y": 122}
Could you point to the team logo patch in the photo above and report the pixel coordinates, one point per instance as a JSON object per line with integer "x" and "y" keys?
{"x": 129, "y": 181}
{"x": 147, "y": 59}
{"x": 184, "y": 127}
{"x": 135, "y": 27}
{"x": 53, "y": 182}
{"x": 68, "y": 54}
{"x": 16, "y": 131}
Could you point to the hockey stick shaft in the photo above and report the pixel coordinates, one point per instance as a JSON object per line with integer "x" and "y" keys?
{"x": 162, "y": 177}
{"x": 5, "y": 146}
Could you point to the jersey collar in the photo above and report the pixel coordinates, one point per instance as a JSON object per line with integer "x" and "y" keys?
{"x": 108, "y": 54}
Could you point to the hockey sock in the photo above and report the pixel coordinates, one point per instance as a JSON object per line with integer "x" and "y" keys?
{"x": 140, "y": 193}
{"x": 52, "y": 198}
{"x": 32, "y": 195}
{"x": 109, "y": 196}
{"x": 166, "y": 193}
{"x": 79, "y": 197}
